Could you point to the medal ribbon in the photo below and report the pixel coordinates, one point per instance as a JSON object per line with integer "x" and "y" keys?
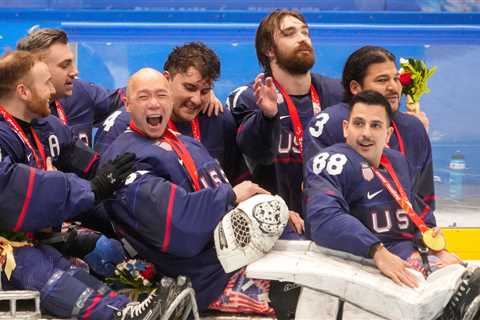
{"x": 292, "y": 110}
{"x": 39, "y": 160}
{"x": 401, "y": 145}
{"x": 195, "y": 128}
{"x": 400, "y": 196}
{"x": 181, "y": 151}
{"x": 61, "y": 112}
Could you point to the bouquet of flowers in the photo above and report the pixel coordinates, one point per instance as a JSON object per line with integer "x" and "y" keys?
{"x": 414, "y": 74}
{"x": 133, "y": 277}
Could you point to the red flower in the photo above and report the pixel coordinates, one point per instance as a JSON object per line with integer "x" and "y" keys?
{"x": 406, "y": 78}
{"x": 149, "y": 272}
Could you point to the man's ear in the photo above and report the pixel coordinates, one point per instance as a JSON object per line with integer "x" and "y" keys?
{"x": 389, "y": 133}
{"x": 167, "y": 75}
{"x": 22, "y": 91}
{"x": 269, "y": 53}
{"x": 355, "y": 87}
{"x": 126, "y": 102}
{"x": 345, "y": 127}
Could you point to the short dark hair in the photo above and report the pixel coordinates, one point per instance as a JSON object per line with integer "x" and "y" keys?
{"x": 42, "y": 39}
{"x": 372, "y": 98}
{"x": 14, "y": 66}
{"x": 357, "y": 65}
{"x": 264, "y": 37}
{"x": 193, "y": 54}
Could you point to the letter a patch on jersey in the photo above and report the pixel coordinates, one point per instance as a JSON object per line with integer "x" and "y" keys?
{"x": 367, "y": 172}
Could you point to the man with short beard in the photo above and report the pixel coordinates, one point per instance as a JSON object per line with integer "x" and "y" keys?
{"x": 272, "y": 112}
{"x": 34, "y": 195}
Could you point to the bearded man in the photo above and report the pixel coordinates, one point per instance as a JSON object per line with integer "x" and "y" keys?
{"x": 272, "y": 111}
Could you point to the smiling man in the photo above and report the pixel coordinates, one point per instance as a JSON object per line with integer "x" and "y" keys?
{"x": 191, "y": 70}
{"x": 169, "y": 208}
{"x": 78, "y": 104}
{"x": 373, "y": 68}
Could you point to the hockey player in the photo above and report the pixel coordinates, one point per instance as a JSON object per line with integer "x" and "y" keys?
{"x": 170, "y": 207}
{"x": 272, "y": 112}
{"x": 191, "y": 70}
{"x": 78, "y": 104}
{"x": 36, "y": 196}
{"x": 373, "y": 68}
{"x": 359, "y": 199}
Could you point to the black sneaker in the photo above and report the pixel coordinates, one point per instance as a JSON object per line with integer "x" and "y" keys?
{"x": 148, "y": 309}
{"x": 465, "y": 303}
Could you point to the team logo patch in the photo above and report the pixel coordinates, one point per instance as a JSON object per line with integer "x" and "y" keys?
{"x": 367, "y": 172}
{"x": 164, "y": 145}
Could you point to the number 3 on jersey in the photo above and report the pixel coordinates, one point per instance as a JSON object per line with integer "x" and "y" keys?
{"x": 317, "y": 128}
{"x": 333, "y": 163}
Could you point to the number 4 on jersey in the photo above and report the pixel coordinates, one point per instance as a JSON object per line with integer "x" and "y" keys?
{"x": 333, "y": 163}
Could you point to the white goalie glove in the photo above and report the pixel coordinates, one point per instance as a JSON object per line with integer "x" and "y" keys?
{"x": 250, "y": 230}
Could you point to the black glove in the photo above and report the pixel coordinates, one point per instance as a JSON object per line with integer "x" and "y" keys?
{"x": 112, "y": 175}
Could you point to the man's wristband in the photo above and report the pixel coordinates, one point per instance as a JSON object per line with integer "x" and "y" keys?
{"x": 373, "y": 249}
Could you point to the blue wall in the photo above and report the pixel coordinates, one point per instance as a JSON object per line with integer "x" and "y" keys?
{"x": 114, "y": 43}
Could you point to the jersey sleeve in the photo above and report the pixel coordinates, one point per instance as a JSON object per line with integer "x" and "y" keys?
{"x": 328, "y": 221}
{"x": 71, "y": 154}
{"x": 324, "y": 130}
{"x": 32, "y": 199}
{"x": 103, "y": 102}
{"x": 234, "y": 164}
{"x": 166, "y": 216}
{"x": 257, "y": 135}
{"x": 423, "y": 183}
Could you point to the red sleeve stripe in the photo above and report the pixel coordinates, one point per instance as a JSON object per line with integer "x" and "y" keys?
{"x": 92, "y": 306}
{"x": 92, "y": 161}
{"x": 168, "y": 223}
{"x": 26, "y": 202}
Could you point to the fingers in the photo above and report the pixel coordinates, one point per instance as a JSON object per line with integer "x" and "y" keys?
{"x": 49, "y": 164}
{"x": 125, "y": 158}
{"x": 296, "y": 222}
{"x": 403, "y": 277}
{"x": 216, "y": 106}
{"x": 269, "y": 83}
{"x": 408, "y": 278}
{"x": 436, "y": 231}
{"x": 258, "y": 190}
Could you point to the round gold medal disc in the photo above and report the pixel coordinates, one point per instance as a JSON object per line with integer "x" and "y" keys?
{"x": 435, "y": 243}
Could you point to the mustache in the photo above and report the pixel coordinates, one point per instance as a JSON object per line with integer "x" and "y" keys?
{"x": 304, "y": 47}
{"x": 365, "y": 141}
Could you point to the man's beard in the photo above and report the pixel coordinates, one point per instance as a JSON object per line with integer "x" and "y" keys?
{"x": 297, "y": 62}
{"x": 38, "y": 106}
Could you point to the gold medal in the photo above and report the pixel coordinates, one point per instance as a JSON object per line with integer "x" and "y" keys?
{"x": 435, "y": 243}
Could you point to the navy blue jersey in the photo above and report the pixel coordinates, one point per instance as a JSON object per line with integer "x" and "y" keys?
{"x": 217, "y": 134}
{"x": 32, "y": 199}
{"x": 87, "y": 107}
{"x": 326, "y": 129}
{"x": 348, "y": 208}
{"x": 164, "y": 219}
{"x": 269, "y": 145}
